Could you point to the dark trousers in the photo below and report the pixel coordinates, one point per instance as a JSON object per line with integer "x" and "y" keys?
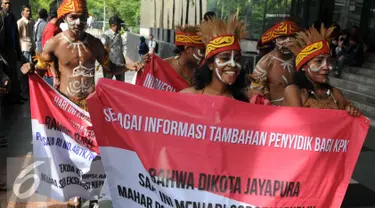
{"x": 24, "y": 82}
{"x": 13, "y": 73}
{"x": 119, "y": 77}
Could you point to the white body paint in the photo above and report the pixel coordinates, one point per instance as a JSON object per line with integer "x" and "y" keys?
{"x": 83, "y": 85}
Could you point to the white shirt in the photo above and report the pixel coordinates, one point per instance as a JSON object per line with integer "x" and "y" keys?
{"x": 151, "y": 46}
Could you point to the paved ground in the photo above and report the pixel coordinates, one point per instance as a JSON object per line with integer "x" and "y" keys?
{"x": 18, "y": 129}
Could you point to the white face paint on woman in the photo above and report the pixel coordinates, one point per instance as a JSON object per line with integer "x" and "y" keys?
{"x": 227, "y": 66}
{"x": 318, "y": 68}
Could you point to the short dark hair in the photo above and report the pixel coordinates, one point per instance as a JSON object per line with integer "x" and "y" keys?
{"x": 151, "y": 35}
{"x": 209, "y": 15}
{"x": 26, "y": 6}
{"x": 42, "y": 13}
{"x": 53, "y": 6}
{"x": 114, "y": 20}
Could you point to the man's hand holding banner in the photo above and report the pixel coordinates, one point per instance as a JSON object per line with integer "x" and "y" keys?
{"x": 164, "y": 149}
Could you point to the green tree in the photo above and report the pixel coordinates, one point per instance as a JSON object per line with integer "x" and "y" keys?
{"x": 128, "y": 10}
{"x": 258, "y": 15}
{"x": 38, "y": 4}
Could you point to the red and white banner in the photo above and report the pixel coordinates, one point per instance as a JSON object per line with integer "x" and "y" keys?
{"x": 159, "y": 75}
{"x": 164, "y": 149}
{"x": 63, "y": 133}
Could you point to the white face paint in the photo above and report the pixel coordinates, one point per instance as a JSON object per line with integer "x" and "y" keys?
{"x": 231, "y": 63}
{"x": 318, "y": 64}
{"x": 280, "y": 44}
{"x": 198, "y": 56}
{"x": 75, "y": 24}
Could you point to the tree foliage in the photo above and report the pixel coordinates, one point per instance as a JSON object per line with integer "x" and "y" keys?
{"x": 259, "y": 15}
{"x": 128, "y": 10}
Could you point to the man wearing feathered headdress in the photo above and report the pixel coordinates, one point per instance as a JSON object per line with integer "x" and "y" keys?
{"x": 74, "y": 52}
{"x": 274, "y": 70}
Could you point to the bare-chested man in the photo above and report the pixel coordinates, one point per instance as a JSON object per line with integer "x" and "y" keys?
{"x": 74, "y": 53}
{"x": 274, "y": 71}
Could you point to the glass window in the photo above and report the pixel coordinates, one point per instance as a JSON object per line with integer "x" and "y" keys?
{"x": 258, "y": 15}
{"x": 347, "y": 13}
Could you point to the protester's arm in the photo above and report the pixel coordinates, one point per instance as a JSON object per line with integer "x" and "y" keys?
{"x": 102, "y": 55}
{"x": 43, "y": 61}
{"x": 259, "y": 76}
{"x": 345, "y": 104}
{"x": 292, "y": 96}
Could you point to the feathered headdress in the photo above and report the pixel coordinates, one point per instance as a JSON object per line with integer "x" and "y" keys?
{"x": 283, "y": 28}
{"x": 310, "y": 43}
{"x": 187, "y": 36}
{"x": 219, "y": 35}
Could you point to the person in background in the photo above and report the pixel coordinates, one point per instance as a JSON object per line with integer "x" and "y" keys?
{"x": 151, "y": 44}
{"x": 25, "y": 31}
{"x": 10, "y": 50}
{"x": 39, "y": 26}
{"x": 4, "y": 89}
{"x": 53, "y": 26}
{"x": 113, "y": 44}
{"x": 142, "y": 48}
{"x": 209, "y": 15}
{"x": 335, "y": 38}
{"x": 221, "y": 73}
{"x": 310, "y": 88}
{"x": 353, "y": 55}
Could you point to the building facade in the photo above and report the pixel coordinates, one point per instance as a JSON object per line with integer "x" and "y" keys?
{"x": 160, "y": 17}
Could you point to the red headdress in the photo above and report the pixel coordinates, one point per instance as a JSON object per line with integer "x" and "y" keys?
{"x": 283, "y": 28}
{"x": 219, "y": 35}
{"x": 69, "y": 6}
{"x": 187, "y": 36}
{"x": 310, "y": 43}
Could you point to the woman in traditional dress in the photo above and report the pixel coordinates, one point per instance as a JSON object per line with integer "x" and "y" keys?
{"x": 311, "y": 88}
{"x": 221, "y": 73}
